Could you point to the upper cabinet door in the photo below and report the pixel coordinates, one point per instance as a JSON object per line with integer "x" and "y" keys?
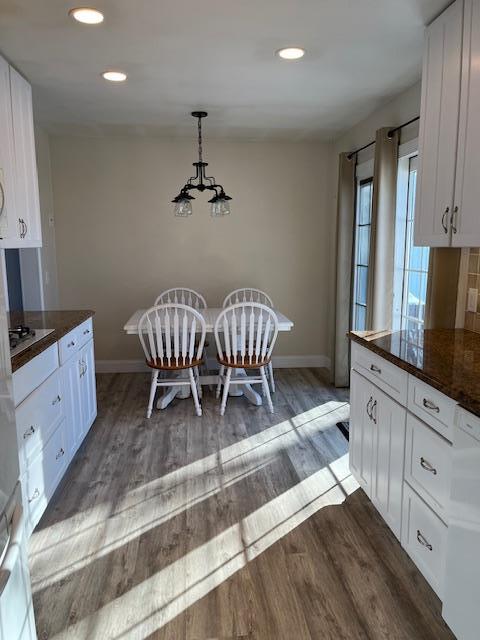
{"x": 439, "y": 128}
{"x": 26, "y": 180}
{"x": 466, "y": 218}
{"x": 8, "y": 211}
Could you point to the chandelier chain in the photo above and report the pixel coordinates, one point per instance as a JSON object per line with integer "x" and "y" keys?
{"x": 200, "y": 149}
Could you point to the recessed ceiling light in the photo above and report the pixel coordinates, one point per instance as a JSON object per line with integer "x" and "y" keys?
{"x": 115, "y": 76}
{"x": 291, "y": 53}
{"x": 87, "y": 15}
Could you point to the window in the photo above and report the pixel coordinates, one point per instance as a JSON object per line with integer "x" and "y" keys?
{"x": 411, "y": 263}
{"x": 363, "y": 225}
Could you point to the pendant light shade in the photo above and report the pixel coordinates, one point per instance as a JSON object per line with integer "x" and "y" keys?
{"x": 183, "y": 204}
{"x": 220, "y": 203}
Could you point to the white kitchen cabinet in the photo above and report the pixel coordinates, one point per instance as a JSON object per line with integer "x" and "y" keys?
{"x": 70, "y": 375}
{"x": 78, "y": 376}
{"x": 377, "y": 442}
{"x": 29, "y": 233}
{"x": 361, "y": 431}
{"x": 88, "y": 391}
{"x": 439, "y": 128}
{"x": 466, "y": 218}
{"x": 8, "y": 210}
{"x": 424, "y": 538}
{"x": 388, "y": 419}
{"x": 448, "y": 189}
{"x": 42, "y": 476}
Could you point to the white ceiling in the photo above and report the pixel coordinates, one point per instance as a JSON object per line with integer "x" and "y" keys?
{"x": 217, "y": 55}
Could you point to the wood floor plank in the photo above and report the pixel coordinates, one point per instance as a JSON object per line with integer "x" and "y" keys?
{"x": 222, "y": 528}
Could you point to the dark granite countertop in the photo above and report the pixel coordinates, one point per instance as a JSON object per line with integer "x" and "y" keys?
{"x": 446, "y": 359}
{"x": 60, "y": 321}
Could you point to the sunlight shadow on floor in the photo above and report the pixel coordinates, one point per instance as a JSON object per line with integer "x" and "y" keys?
{"x": 157, "y": 600}
{"x": 70, "y": 545}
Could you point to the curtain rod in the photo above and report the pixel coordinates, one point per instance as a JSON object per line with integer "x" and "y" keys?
{"x": 389, "y": 134}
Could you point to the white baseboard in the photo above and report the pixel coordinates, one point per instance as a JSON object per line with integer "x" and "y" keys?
{"x": 279, "y": 362}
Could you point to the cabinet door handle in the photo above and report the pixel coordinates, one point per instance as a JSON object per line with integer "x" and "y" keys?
{"x": 374, "y": 416}
{"x": 35, "y": 495}
{"x": 26, "y": 229}
{"x": 29, "y": 432}
{"x": 86, "y": 332}
{"x": 427, "y": 466}
{"x": 428, "y": 404}
{"x": 56, "y": 400}
{"x": 368, "y": 408}
{"x": 444, "y": 219}
{"x": 423, "y": 541}
{"x": 60, "y": 454}
{"x": 71, "y": 344}
{"x": 20, "y": 224}
{"x": 453, "y": 219}
{"x": 375, "y": 369}
{"x": 2, "y": 199}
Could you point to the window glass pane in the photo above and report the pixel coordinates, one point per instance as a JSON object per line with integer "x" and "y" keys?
{"x": 360, "y": 317}
{"x": 414, "y": 293}
{"x": 365, "y": 204}
{"x": 362, "y": 278}
{"x": 362, "y": 252}
{"x": 415, "y": 268}
{"x": 363, "y": 246}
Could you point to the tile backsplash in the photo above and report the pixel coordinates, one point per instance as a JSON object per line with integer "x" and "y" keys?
{"x": 472, "y": 319}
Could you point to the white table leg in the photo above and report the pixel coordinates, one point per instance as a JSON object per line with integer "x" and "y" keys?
{"x": 245, "y": 389}
{"x": 172, "y": 393}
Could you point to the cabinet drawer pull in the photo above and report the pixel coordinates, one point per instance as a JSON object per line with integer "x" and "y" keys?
{"x": 444, "y": 219}
{"x": 71, "y": 344}
{"x": 369, "y": 407}
{"x": 374, "y": 415}
{"x": 375, "y": 369}
{"x": 86, "y": 332}
{"x": 453, "y": 221}
{"x": 29, "y": 432}
{"x": 428, "y": 404}
{"x": 56, "y": 400}
{"x": 427, "y": 466}
{"x": 35, "y": 495}
{"x": 423, "y": 541}
{"x": 60, "y": 454}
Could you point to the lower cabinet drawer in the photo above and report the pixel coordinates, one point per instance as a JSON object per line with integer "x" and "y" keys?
{"x": 31, "y": 375}
{"x": 424, "y": 538}
{"x": 42, "y": 477}
{"x": 385, "y": 375}
{"x": 428, "y": 462}
{"x": 37, "y": 417}
{"x": 432, "y": 406}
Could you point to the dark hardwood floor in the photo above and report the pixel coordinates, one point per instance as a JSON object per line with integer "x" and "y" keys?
{"x": 246, "y": 526}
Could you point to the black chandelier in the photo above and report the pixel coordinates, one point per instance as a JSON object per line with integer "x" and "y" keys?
{"x": 220, "y": 203}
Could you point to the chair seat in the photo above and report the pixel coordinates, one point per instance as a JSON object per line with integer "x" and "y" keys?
{"x": 174, "y": 364}
{"x": 237, "y": 362}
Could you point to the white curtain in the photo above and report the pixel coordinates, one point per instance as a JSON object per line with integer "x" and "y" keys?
{"x": 345, "y": 224}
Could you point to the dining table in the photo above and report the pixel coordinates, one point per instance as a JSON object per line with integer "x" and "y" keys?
{"x": 210, "y": 315}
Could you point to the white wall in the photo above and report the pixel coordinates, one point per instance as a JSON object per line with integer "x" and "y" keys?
{"x": 119, "y": 245}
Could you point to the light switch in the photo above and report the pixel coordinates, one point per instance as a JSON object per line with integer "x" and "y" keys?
{"x": 472, "y": 300}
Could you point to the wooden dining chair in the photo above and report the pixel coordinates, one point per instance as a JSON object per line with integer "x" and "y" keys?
{"x": 252, "y": 295}
{"x": 245, "y": 334}
{"x": 181, "y": 295}
{"x": 172, "y": 337}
